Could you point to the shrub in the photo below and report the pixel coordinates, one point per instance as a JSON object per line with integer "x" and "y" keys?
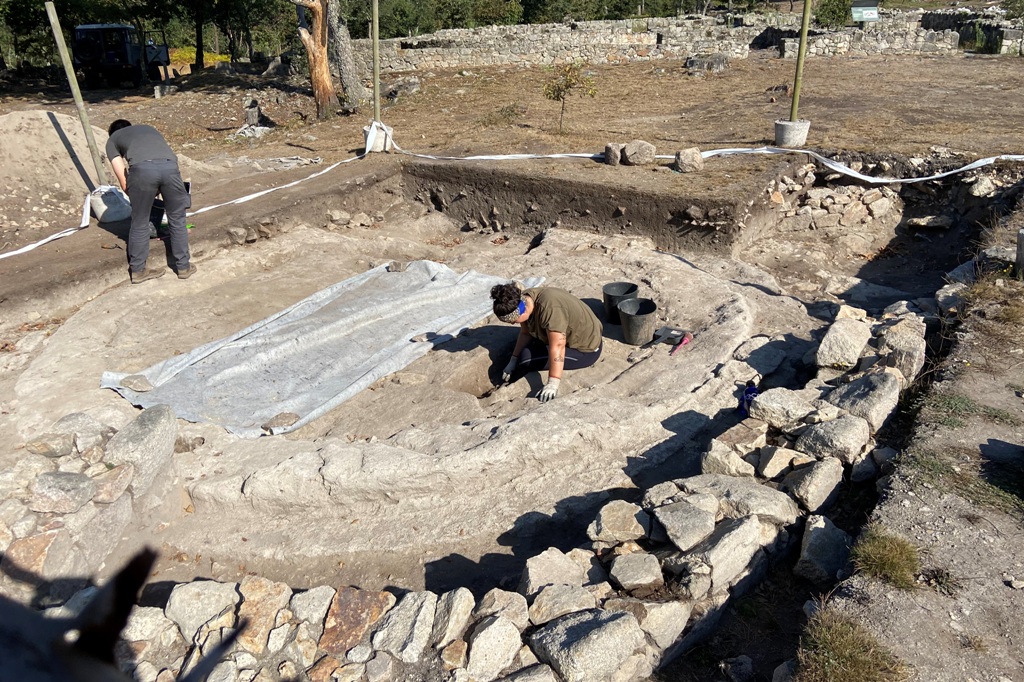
{"x": 833, "y": 13}
{"x": 887, "y": 557}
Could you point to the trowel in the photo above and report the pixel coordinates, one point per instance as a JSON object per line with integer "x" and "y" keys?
{"x": 671, "y": 335}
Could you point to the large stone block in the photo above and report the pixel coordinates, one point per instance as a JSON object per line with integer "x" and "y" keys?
{"x": 843, "y": 438}
{"x": 512, "y": 605}
{"x": 619, "y": 521}
{"x": 730, "y": 550}
{"x": 824, "y": 551}
{"x": 492, "y": 647}
{"x": 557, "y": 600}
{"x": 685, "y": 524}
{"x": 589, "y": 646}
{"x": 192, "y": 605}
{"x": 873, "y": 396}
{"x": 352, "y": 614}
{"x": 147, "y": 443}
{"x": 740, "y": 497}
{"x": 637, "y": 570}
{"x": 722, "y": 459}
{"x": 638, "y": 153}
{"x": 262, "y": 599}
{"x": 452, "y": 616}
{"x": 780, "y": 408}
{"x": 405, "y": 630}
{"x": 550, "y": 567}
{"x": 816, "y": 485}
{"x": 310, "y": 607}
{"x": 843, "y": 343}
{"x": 61, "y": 492}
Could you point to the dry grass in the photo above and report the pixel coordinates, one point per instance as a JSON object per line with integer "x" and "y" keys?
{"x": 834, "y": 648}
{"x": 887, "y": 557}
{"x": 995, "y": 308}
{"x": 963, "y": 472}
{"x": 953, "y": 410}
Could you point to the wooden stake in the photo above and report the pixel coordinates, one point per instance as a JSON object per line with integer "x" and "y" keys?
{"x": 375, "y": 37}
{"x": 101, "y": 171}
{"x": 801, "y": 53}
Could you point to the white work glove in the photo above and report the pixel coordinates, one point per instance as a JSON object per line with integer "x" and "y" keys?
{"x": 506, "y": 374}
{"x": 550, "y": 390}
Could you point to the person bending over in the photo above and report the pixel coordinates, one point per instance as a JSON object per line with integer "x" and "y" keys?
{"x": 145, "y": 166}
{"x": 556, "y": 330}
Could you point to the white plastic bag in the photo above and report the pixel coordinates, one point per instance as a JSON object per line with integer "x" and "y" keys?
{"x": 109, "y": 204}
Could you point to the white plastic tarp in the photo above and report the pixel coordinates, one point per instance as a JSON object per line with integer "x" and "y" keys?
{"x": 313, "y": 356}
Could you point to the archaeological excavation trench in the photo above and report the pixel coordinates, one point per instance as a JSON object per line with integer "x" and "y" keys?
{"x": 435, "y": 475}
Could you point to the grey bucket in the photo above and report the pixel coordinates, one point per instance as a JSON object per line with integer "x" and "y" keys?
{"x": 639, "y": 317}
{"x": 615, "y": 293}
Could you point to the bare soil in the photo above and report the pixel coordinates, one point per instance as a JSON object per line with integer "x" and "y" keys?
{"x": 897, "y": 107}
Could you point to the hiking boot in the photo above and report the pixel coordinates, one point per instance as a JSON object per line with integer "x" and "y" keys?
{"x": 148, "y": 273}
{"x": 185, "y": 274}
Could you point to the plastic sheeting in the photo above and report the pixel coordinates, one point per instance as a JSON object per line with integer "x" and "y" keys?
{"x": 318, "y": 353}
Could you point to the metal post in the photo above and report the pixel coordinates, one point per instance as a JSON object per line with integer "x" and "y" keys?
{"x": 800, "y": 59}
{"x": 376, "y": 62}
{"x": 83, "y": 116}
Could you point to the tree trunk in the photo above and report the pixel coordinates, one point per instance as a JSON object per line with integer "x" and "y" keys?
{"x": 200, "y": 45}
{"x": 314, "y": 39}
{"x": 341, "y": 60}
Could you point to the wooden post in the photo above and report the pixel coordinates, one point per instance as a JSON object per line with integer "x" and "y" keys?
{"x": 1019, "y": 265}
{"x": 83, "y": 116}
{"x": 376, "y": 61}
{"x": 800, "y": 60}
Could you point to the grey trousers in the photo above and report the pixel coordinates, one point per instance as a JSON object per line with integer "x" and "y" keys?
{"x": 146, "y": 179}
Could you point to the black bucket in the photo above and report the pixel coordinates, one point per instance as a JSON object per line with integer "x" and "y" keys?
{"x": 639, "y": 318}
{"x": 615, "y": 293}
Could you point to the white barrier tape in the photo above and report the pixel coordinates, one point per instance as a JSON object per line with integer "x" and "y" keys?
{"x": 255, "y": 195}
{"x": 376, "y": 127}
{"x": 840, "y": 168}
{"x": 64, "y": 233}
{"x": 85, "y": 209}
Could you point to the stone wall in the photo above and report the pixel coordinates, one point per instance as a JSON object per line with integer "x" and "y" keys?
{"x": 598, "y": 42}
{"x": 612, "y": 42}
{"x": 988, "y": 32}
{"x": 866, "y": 42}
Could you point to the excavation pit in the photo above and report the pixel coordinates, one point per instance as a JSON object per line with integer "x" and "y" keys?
{"x": 437, "y": 476}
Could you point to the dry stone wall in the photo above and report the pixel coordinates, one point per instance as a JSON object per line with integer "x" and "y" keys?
{"x": 612, "y": 42}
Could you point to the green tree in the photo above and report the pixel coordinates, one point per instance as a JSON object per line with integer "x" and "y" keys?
{"x": 832, "y": 13}
{"x": 497, "y": 12}
{"x": 453, "y": 13}
{"x": 567, "y": 79}
{"x": 1014, "y": 8}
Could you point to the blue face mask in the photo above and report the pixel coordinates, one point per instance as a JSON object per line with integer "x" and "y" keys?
{"x": 522, "y": 307}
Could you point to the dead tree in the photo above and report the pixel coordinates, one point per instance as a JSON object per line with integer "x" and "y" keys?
{"x": 342, "y": 61}
{"x": 314, "y": 39}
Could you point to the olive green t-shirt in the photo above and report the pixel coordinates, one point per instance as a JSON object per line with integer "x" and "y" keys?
{"x": 556, "y": 310}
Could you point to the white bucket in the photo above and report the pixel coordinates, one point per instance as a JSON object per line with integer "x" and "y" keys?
{"x": 378, "y": 137}
{"x": 109, "y": 204}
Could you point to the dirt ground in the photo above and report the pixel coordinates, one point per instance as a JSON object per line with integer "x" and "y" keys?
{"x": 972, "y": 105}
